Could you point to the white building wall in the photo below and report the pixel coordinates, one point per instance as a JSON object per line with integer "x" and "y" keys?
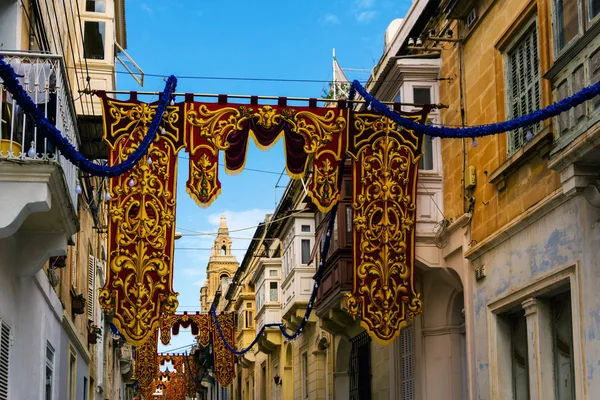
{"x": 566, "y": 239}
{"x": 33, "y": 311}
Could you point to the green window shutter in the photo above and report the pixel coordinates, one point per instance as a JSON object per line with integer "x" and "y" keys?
{"x": 524, "y": 90}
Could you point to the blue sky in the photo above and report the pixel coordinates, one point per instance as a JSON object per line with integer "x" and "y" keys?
{"x": 246, "y": 39}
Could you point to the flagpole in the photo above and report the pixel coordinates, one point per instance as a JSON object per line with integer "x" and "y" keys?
{"x": 333, "y": 71}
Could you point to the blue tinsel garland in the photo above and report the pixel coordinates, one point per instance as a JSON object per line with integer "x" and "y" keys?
{"x": 7, "y": 74}
{"x": 483, "y": 130}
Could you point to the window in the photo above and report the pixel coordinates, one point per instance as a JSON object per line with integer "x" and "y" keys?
{"x": 407, "y": 357}
{"x": 98, "y": 6}
{"x": 305, "y": 228}
{"x": 91, "y": 287}
{"x": 305, "y": 250}
{"x": 348, "y": 225}
{"x": 523, "y": 86}
{"x": 562, "y": 346}
{"x": 426, "y": 161}
{"x": 519, "y": 356}
{"x": 273, "y": 292}
{"x": 593, "y": 9}
{"x": 4, "y": 359}
{"x": 566, "y": 22}
{"x": 93, "y": 37}
{"x": 72, "y": 376}
{"x": 538, "y": 325}
{"x": 360, "y": 367}
{"x": 304, "y": 375}
{"x": 273, "y": 272}
{"x": 347, "y": 189}
{"x": 248, "y": 305}
{"x": 224, "y": 250}
{"x": 422, "y": 95}
{"x": 49, "y": 371}
{"x": 263, "y": 383}
{"x": 224, "y": 280}
{"x": 249, "y": 319}
{"x": 85, "y": 387}
{"x": 259, "y": 298}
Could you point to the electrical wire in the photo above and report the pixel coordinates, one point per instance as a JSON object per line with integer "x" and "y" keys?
{"x": 198, "y": 233}
{"x": 253, "y": 79}
{"x": 245, "y": 169}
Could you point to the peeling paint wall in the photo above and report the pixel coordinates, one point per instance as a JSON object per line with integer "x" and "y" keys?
{"x": 567, "y": 236}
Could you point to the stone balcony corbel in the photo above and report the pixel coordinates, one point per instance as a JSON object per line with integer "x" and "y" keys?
{"x": 270, "y": 340}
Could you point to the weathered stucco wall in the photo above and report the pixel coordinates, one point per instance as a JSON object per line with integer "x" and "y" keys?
{"x": 568, "y": 236}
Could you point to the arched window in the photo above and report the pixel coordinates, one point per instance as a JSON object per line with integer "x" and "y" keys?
{"x": 224, "y": 279}
{"x": 224, "y": 249}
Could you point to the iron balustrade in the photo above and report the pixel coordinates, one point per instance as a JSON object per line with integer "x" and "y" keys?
{"x": 44, "y": 78}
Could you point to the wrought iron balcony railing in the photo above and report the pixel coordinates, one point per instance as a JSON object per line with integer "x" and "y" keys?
{"x": 44, "y": 77}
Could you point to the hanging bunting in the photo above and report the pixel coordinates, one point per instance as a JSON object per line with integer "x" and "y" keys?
{"x": 384, "y": 179}
{"x": 314, "y": 138}
{"x": 200, "y": 326}
{"x": 141, "y": 213}
{"x": 224, "y": 361}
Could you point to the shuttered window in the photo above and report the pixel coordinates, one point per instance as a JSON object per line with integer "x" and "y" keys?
{"x": 407, "y": 357}
{"x": 91, "y": 287}
{"x": 4, "y": 359}
{"x": 523, "y": 87}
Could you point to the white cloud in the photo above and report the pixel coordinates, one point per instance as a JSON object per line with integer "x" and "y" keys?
{"x": 330, "y": 19}
{"x": 366, "y": 16}
{"x": 147, "y": 8}
{"x": 364, "y": 3}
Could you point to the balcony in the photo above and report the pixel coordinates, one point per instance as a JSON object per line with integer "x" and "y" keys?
{"x": 126, "y": 360}
{"x": 298, "y": 270}
{"x": 577, "y": 131}
{"x": 37, "y": 184}
{"x": 245, "y": 333}
{"x": 296, "y": 290}
{"x": 266, "y": 279}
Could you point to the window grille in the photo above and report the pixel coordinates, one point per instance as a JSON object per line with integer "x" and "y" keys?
{"x": 407, "y": 356}
{"x": 360, "y": 367}
{"x": 4, "y": 359}
{"x": 91, "y": 287}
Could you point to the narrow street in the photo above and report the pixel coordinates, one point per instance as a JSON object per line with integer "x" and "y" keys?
{"x": 259, "y": 201}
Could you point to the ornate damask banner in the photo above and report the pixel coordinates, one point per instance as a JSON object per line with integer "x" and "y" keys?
{"x": 224, "y": 361}
{"x": 314, "y": 137}
{"x": 146, "y": 364}
{"x": 384, "y": 179}
{"x": 141, "y": 226}
{"x": 200, "y": 326}
{"x": 138, "y": 289}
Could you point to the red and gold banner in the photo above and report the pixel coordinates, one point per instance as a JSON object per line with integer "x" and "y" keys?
{"x": 138, "y": 289}
{"x": 200, "y": 325}
{"x": 224, "y": 361}
{"x": 146, "y": 365}
{"x": 315, "y": 139}
{"x": 141, "y": 225}
{"x": 384, "y": 179}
